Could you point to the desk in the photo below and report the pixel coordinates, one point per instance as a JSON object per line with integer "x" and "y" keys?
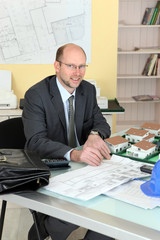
{"x": 102, "y": 214}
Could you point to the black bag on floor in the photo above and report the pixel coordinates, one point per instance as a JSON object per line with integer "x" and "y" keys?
{"x": 21, "y": 170}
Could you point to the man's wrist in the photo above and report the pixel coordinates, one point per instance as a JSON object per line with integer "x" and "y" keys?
{"x": 94, "y": 132}
{"x": 74, "y": 155}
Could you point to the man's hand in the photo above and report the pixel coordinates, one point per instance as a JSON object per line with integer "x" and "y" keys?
{"x": 96, "y": 142}
{"x": 93, "y": 152}
{"x": 88, "y": 155}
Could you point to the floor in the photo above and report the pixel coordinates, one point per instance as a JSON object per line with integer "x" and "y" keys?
{"x": 18, "y": 222}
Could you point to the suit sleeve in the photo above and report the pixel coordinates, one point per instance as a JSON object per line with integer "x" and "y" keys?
{"x": 93, "y": 118}
{"x": 36, "y": 129}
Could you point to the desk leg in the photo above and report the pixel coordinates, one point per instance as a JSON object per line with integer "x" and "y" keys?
{"x": 3, "y": 210}
{"x": 36, "y": 222}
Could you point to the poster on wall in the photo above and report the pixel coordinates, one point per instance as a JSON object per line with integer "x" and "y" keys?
{"x": 32, "y": 30}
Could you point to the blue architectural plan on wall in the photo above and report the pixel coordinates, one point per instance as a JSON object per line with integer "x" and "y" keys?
{"x": 32, "y": 30}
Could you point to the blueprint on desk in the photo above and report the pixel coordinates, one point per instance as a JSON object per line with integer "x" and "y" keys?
{"x": 88, "y": 182}
{"x": 32, "y": 30}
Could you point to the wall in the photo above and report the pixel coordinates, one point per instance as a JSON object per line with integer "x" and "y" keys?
{"x": 103, "y": 66}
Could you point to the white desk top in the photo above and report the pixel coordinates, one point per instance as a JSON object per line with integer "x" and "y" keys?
{"x": 108, "y": 216}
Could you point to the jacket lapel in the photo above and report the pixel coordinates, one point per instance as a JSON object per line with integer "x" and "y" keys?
{"x": 57, "y": 102}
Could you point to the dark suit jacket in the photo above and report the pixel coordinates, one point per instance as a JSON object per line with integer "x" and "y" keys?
{"x": 44, "y": 118}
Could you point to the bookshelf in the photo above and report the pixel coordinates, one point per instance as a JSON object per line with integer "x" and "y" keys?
{"x": 130, "y": 81}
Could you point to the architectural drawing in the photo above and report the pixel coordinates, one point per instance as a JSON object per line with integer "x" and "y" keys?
{"x": 32, "y": 30}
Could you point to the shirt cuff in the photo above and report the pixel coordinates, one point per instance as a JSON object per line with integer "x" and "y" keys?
{"x": 67, "y": 155}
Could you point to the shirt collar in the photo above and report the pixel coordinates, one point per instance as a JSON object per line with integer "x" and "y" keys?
{"x": 64, "y": 93}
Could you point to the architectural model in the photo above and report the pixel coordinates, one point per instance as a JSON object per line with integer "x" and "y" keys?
{"x": 150, "y": 137}
{"x": 117, "y": 144}
{"x": 152, "y": 128}
{"x": 141, "y": 149}
{"x": 135, "y": 135}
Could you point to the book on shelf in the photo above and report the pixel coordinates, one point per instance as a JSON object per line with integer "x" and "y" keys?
{"x": 147, "y": 15}
{"x": 146, "y": 98}
{"x": 155, "y": 97}
{"x": 151, "y": 15}
{"x": 158, "y": 19}
{"x": 154, "y": 72}
{"x": 145, "y": 70}
{"x": 151, "y": 65}
{"x": 157, "y": 13}
{"x": 158, "y": 67}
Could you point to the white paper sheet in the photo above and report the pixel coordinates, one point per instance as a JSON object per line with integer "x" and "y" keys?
{"x": 88, "y": 182}
{"x": 130, "y": 192}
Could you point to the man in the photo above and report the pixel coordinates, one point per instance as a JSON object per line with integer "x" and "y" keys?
{"x": 47, "y": 125}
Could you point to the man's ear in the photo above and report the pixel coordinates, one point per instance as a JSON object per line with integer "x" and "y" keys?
{"x": 56, "y": 66}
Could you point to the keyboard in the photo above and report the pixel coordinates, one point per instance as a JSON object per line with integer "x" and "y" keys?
{"x": 56, "y": 163}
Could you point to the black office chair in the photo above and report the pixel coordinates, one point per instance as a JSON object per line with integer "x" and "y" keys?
{"x": 12, "y": 136}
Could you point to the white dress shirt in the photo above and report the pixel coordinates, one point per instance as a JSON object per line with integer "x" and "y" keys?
{"x": 65, "y": 95}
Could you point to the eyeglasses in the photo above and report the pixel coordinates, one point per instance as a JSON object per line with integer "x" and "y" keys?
{"x": 73, "y": 67}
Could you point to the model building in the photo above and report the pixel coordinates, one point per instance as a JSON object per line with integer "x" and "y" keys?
{"x": 152, "y": 128}
{"x": 117, "y": 144}
{"x": 135, "y": 135}
{"x": 141, "y": 149}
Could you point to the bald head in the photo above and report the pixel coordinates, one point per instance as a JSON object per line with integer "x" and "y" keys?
{"x": 67, "y": 48}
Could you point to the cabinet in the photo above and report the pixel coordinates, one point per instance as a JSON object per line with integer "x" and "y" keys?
{"x": 130, "y": 82}
{"x": 9, "y": 113}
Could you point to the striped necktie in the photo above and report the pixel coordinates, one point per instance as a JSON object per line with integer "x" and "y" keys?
{"x": 72, "y": 137}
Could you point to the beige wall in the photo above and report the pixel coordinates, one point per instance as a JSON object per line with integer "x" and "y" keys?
{"x": 103, "y": 66}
